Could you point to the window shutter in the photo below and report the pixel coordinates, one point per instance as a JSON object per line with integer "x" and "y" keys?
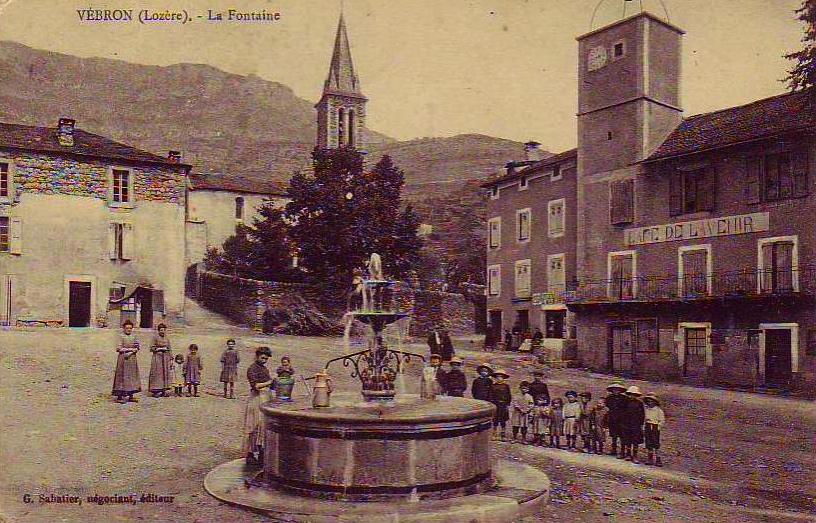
{"x": 785, "y": 180}
{"x": 112, "y": 254}
{"x": 131, "y": 186}
{"x": 622, "y": 201}
{"x": 675, "y": 194}
{"x": 615, "y": 203}
{"x": 799, "y": 172}
{"x": 707, "y": 189}
{"x": 110, "y": 187}
{"x": 629, "y": 199}
{"x": 753, "y": 177}
{"x": 766, "y": 282}
{"x": 15, "y": 236}
{"x": 771, "y": 177}
{"x": 695, "y": 272}
{"x": 127, "y": 241}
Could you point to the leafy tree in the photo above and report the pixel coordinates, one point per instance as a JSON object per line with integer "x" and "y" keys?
{"x": 262, "y": 251}
{"x": 340, "y": 214}
{"x": 803, "y": 74}
{"x": 235, "y": 257}
{"x": 458, "y": 241}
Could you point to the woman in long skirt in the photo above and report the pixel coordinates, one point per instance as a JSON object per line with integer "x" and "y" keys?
{"x": 260, "y": 382}
{"x": 126, "y": 379}
{"x": 161, "y": 364}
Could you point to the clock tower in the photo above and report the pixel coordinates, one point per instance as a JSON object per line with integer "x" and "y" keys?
{"x": 341, "y": 109}
{"x": 628, "y": 91}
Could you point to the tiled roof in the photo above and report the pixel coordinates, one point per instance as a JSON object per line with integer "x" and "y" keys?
{"x": 754, "y": 121}
{"x": 530, "y": 169}
{"x": 44, "y": 139}
{"x": 223, "y": 182}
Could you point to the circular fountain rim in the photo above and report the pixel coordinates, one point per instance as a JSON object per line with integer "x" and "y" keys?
{"x": 357, "y": 411}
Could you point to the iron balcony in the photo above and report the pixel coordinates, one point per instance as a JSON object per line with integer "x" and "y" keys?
{"x": 748, "y": 284}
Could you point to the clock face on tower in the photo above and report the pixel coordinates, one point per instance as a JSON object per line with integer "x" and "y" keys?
{"x": 596, "y": 58}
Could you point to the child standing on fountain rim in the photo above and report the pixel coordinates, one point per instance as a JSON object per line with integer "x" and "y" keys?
{"x": 192, "y": 370}
{"x": 556, "y": 422}
{"x": 229, "y": 368}
{"x": 501, "y": 397}
{"x": 522, "y": 406}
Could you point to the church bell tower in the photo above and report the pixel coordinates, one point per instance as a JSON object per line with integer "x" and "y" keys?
{"x": 341, "y": 109}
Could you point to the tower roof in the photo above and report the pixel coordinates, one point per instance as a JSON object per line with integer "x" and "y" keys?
{"x": 342, "y": 79}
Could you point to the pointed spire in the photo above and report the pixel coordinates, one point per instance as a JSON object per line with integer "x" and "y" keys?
{"x": 342, "y": 77}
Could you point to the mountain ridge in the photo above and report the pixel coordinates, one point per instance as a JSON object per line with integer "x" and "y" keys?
{"x": 264, "y": 131}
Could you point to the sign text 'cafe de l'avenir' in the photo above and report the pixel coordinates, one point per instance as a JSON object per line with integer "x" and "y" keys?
{"x": 723, "y": 226}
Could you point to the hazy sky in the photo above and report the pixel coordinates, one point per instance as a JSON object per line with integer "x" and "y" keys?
{"x": 506, "y": 68}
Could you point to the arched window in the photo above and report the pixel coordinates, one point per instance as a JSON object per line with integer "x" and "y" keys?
{"x": 341, "y": 127}
{"x": 352, "y": 130}
{"x": 239, "y": 208}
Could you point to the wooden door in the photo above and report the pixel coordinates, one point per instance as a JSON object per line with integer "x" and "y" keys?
{"x": 778, "y": 362}
{"x": 79, "y": 304}
{"x": 621, "y": 348}
{"x": 695, "y": 342}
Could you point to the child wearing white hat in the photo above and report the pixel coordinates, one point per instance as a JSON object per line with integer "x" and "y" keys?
{"x": 634, "y": 417}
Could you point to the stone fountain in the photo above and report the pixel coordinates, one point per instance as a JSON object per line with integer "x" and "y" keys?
{"x": 380, "y": 456}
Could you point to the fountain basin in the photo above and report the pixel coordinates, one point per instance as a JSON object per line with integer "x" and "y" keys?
{"x": 408, "y": 448}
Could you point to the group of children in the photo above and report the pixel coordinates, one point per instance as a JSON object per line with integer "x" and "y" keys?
{"x": 627, "y": 416}
{"x": 172, "y": 372}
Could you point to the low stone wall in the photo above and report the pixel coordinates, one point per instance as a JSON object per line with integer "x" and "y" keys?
{"x": 431, "y": 308}
{"x": 266, "y": 306}
{"x": 257, "y": 303}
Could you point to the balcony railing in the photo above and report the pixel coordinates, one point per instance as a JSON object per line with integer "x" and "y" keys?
{"x": 732, "y": 284}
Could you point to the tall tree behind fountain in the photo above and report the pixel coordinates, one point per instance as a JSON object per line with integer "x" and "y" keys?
{"x": 340, "y": 212}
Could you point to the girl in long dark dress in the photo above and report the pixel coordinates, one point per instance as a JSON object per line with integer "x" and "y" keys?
{"x": 161, "y": 363}
{"x": 126, "y": 379}
{"x": 260, "y": 382}
{"x": 192, "y": 370}
{"x": 229, "y": 368}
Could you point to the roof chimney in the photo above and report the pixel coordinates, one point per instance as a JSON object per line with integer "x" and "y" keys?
{"x": 65, "y": 132}
{"x": 532, "y": 152}
{"x": 174, "y": 156}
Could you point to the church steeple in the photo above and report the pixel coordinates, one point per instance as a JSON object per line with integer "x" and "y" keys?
{"x": 342, "y": 78}
{"x": 341, "y": 109}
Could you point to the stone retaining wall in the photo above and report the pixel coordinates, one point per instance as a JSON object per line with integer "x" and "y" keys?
{"x": 248, "y": 301}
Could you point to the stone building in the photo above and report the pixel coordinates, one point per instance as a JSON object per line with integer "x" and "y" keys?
{"x": 531, "y": 254}
{"x": 91, "y": 230}
{"x": 693, "y": 262}
{"x": 218, "y": 203}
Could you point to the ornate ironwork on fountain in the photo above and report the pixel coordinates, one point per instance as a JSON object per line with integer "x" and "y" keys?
{"x": 378, "y": 366}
